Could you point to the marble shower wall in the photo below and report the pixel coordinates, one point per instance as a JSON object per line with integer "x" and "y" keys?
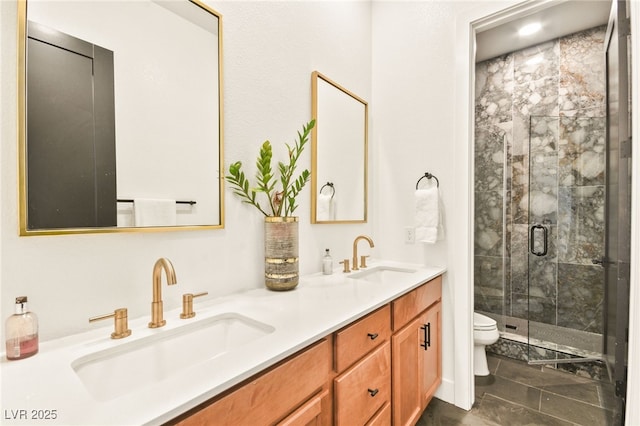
{"x": 539, "y": 158}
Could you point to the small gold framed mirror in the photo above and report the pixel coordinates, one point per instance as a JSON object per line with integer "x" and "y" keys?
{"x": 339, "y": 160}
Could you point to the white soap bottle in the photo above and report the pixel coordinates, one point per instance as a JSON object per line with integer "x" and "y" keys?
{"x": 21, "y": 332}
{"x": 327, "y": 263}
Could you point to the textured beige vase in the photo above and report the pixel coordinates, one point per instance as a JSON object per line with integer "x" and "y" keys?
{"x": 281, "y": 253}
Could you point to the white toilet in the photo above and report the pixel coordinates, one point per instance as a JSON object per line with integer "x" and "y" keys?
{"x": 485, "y": 332}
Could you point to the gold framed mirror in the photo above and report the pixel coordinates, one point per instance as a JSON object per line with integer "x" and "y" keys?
{"x": 339, "y": 160}
{"x": 120, "y": 125}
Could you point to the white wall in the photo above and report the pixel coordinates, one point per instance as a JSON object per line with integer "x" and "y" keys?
{"x": 413, "y": 60}
{"x": 270, "y": 50}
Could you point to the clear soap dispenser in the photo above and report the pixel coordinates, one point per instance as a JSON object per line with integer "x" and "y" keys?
{"x": 21, "y": 331}
{"x": 327, "y": 263}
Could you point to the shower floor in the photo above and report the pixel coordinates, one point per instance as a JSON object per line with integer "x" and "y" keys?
{"x": 550, "y": 337}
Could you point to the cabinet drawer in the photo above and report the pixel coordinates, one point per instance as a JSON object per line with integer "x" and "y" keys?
{"x": 364, "y": 388}
{"x": 382, "y": 417}
{"x": 407, "y": 307}
{"x": 308, "y": 414}
{"x": 271, "y": 396}
{"x": 355, "y": 340}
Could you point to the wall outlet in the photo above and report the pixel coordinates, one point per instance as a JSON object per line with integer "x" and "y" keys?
{"x": 409, "y": 235}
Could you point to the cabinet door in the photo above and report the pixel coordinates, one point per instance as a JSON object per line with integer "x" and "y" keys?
{"x": 406, "y": 374}
{"x": 430, "y": 327}
{"x": 416, "y": 366}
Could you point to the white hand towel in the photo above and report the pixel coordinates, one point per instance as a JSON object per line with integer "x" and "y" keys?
{"x": 324, "y": 208}
{"x": 154, "y": 212}
{"x": 427, "y": 214}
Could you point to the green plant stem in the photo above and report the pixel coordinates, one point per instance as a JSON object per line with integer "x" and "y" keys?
{"x": 266, "y": 181}
{"x": 287, "y": 171}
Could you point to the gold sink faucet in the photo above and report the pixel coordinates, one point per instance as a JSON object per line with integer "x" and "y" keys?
{"x": 156, "y": 305}
{"x": 355, "y": 267}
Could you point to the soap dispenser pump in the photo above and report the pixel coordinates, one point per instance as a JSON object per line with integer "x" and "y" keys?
{"x": 21, "y": 332}
{"x": 327, "y": 263}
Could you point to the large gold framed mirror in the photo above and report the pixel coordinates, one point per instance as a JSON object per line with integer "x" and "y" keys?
{"x": 120, "y": 116}
{"x": 339, "y": 153}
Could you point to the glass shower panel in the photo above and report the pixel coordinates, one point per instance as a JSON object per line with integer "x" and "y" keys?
{"x": 490, "y": 233}
{"x": 566, "y": 234}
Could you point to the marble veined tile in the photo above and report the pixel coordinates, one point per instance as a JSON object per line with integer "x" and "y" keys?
{"x": 543, "y": 134}
{"x": 519, "y": 189}
{"x": 582, "y": 151}
{"x": 536, "y": 62}
{"x": 519, "y": 256}
{"x": 520, "y": 142}
{"x": 494, "y": 90}
{"x": 490, "y": 157}
{"x": 581, "y": 224}
{"x": 536, "y": 79}
{"x": 543, "y": 204}
{"x": 580, "y": 297}
{"x": 540, "y": 309}
{"x": 582, "y": 81}
{"x": 489, "y": 223}
{"x": 539, "y": 97}
{"x": 489, "y": 284}
{"x": 543, "y": 178}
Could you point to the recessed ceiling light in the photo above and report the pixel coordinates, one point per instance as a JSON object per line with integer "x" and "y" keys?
{"x": 530, "y": 29}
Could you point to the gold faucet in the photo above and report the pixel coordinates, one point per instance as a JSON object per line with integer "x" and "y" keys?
{"x": 156, "y": 305}
{"x": 354, "y": 266}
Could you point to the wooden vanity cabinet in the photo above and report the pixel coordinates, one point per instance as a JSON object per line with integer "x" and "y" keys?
{"x": 379, "y": 370}
{"x": 362, "y": 389}
{"x": 293, "y": 393}
{"x": 416, "y": 351}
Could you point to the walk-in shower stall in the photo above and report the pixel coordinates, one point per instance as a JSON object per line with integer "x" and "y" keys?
{"x": 540, "y": 151}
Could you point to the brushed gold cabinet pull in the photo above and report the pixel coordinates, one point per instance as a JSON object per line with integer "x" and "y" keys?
{"x": 372, "y": 336}
{"x": 373, "y": 392}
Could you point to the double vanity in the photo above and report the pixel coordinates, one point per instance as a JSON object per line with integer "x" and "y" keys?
{"x": 339, "y": 349}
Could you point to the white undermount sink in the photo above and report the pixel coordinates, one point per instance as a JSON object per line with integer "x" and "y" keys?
{"x": 381, "y": 273}
{"x": 113, "y": 372}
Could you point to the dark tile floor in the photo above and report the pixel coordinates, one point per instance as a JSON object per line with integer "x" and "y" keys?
{"x": 520, "y": 394}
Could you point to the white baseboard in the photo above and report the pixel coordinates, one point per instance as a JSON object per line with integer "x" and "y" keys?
{"x": 446, "y": 391}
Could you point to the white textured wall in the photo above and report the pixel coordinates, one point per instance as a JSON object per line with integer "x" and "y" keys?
{"x": 270, "y": 50}
{"x": 416, "y": 130}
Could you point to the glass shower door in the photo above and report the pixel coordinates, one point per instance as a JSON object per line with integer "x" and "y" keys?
{"x": 565, "y": 233}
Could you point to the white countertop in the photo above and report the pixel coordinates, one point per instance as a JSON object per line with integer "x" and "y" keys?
{"x": 47, "y": 385}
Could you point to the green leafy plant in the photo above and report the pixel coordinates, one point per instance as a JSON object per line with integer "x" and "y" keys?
{"x": 280, "y": 192}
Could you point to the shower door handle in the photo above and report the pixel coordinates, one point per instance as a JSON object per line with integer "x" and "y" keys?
{"x": 532, "y": 240}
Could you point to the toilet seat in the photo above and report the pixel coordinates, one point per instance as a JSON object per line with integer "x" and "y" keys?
{"x": 485, "y": 332}
{"x": 483, "y": 322}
